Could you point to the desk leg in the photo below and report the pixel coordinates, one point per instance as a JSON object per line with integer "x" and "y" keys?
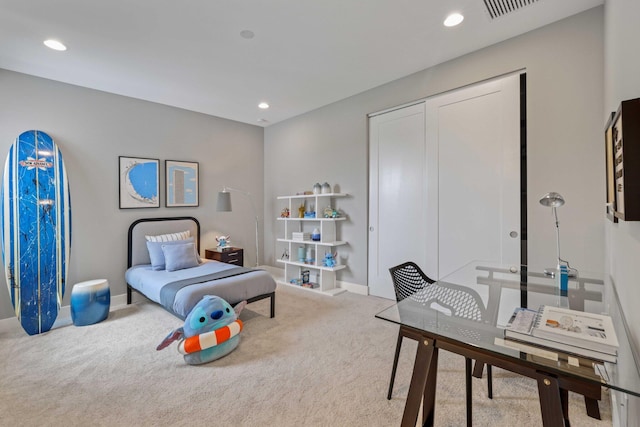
{"x": 552, "y": 402}
{"x": 429, "y": 396}
{"x": 424, "y": 373}
{"x": 469, "y": 399}
{"x": 592, "y": 407}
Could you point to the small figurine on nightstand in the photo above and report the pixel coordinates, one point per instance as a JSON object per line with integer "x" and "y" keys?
{"x": 223, "y": 241}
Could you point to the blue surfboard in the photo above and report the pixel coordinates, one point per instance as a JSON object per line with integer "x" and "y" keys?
{"x": 35, "y": 229}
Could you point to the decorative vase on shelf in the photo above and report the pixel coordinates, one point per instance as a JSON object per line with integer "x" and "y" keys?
{"x": 326, "y": 188}
{"x": 315, "y": 235}
{"x": 317, "y": 188}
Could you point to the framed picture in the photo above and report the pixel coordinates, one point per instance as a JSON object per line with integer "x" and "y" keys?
{"x": 182, "y": 183}
{"x": 139, "y": 183}
{"x": 610, "y": 168}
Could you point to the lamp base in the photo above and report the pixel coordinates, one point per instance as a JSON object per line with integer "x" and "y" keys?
{"x": 552, "y": 271}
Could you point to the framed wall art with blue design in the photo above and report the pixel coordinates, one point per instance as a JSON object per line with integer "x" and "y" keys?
{"x": 181, "y": 183}
{"x": 139, "y": 183}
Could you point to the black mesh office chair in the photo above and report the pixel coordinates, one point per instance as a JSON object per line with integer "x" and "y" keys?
{"x": 409, "y": 281}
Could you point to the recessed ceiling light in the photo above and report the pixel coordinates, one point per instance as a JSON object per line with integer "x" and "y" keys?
{"x": 263, "y": 105}
{"x": 247, "y": 34}
{"x": 453, "y": 20}
{"x": 55, "y": 45}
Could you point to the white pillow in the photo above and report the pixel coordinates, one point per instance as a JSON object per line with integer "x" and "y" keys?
{"x": 169, "y": 237}
{"x": 180, "y": 256}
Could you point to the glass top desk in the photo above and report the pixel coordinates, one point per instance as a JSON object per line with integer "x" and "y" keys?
{"x": 498, "y": 290}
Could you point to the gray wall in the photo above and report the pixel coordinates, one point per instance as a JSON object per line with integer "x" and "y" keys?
{"x": 622, "y": 81}
{"x": 564, "y": 64}
{"x": 92, "y": 129}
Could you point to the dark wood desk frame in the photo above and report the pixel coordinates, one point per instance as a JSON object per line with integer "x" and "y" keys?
{"x": 553, "y": 387}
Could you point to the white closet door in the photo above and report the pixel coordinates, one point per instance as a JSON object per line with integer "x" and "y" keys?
{"x": 397, "y": 194}
{"x": 473, "y": 154}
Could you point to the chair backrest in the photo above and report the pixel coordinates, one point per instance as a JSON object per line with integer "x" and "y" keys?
{"x": 408, "y": 279}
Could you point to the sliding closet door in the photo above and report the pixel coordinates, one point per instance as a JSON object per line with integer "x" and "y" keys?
{"x": 473, "y": 153}
{"x": 397, "y": 194}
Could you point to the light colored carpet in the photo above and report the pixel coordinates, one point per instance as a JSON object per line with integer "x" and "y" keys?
{"x": 322, "y": 361}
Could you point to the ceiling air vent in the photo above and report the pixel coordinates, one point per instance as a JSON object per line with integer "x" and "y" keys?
{"x": 498, "y": 8}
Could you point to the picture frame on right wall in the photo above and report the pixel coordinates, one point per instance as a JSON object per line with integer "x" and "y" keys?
{"x": 182, "y": 183}
{"x": 610, "y": 169}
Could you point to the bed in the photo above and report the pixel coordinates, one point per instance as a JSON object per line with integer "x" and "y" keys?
{"x": 179, "y": 289}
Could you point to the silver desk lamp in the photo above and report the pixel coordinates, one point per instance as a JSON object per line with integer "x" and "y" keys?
{"x": 554, "y": 200}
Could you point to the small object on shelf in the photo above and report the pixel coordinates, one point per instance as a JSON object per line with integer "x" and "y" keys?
{"x": 329, "y": 212}
{"x": 301, "y": 254}
{"x": 315, "y": 236}
{"x": 305, "y": 276}
{"x": 297, "y": 282}
{"x": 301, "y": 211}
{"x": 300, "y": 236}
{"x": 285, "y": 254}
{"x": 309, "y": 214}
{"x": 326, "y": 188}
{"x": 317, "y": 188}
{"x": 285, "y": 213}
{"x": 309, "y": 285}
{"x": 223, "y": 241}
{"x": 309, "y": 259}
{"x": 329, "y": 260}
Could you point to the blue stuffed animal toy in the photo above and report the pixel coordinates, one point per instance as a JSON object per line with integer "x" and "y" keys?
{"x": 211, "y": 331}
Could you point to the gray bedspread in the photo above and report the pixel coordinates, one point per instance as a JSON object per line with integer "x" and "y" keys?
{"x": 169, "y": 291}
{"x": 209, "y": 278}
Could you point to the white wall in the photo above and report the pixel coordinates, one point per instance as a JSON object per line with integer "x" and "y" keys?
{"x": 621, "y": 82}
{"x": 92, "y": 129}
{"x": 564, "y": 64}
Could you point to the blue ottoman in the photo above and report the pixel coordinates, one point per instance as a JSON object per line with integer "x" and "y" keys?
{"x": 90, "y": 302}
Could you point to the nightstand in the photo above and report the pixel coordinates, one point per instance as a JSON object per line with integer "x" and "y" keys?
{"x": 231, "y": 255}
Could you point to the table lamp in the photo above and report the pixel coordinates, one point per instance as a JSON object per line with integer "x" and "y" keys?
{"x": 554, "y": 200}
{"x": 224, "y": 205}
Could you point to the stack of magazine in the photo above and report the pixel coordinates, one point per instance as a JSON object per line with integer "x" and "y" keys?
{"x": 570, "y": 331}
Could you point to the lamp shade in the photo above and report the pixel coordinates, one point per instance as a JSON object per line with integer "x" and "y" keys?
{"x": 224, "y": 202}
{"x": 552, "y": 200}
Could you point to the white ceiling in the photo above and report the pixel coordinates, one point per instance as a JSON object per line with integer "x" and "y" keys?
{"x": 305, "y": 53}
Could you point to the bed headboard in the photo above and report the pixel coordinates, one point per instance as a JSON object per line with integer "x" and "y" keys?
{"x": 137, "y": 252}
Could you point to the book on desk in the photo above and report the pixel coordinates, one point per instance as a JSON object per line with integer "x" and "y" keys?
{"x": 584, "y": 334}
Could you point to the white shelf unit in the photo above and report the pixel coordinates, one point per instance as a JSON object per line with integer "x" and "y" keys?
{"x": 325, "y": 277}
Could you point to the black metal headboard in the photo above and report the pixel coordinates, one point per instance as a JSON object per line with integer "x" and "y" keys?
{"x": 137, "y": 252}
